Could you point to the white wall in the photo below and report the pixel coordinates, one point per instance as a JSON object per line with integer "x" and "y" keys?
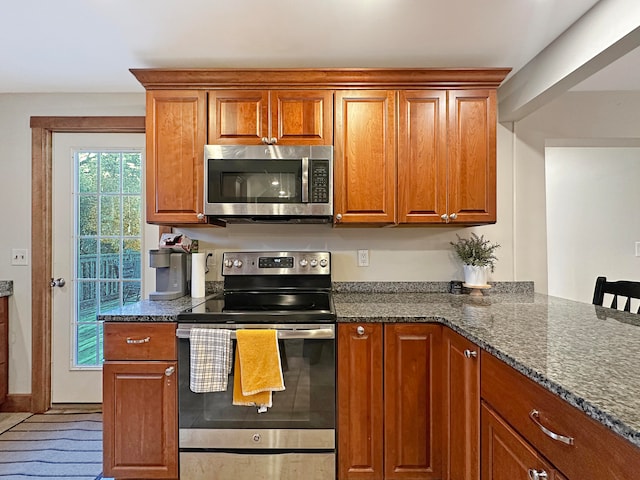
{"x": 605, "y": 118}
{"x": 402, "y": 254}
{"x": 592, "y": 234}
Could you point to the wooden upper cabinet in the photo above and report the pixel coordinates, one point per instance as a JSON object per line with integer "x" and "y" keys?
{"x": 283, "y": 117}
{"x": 422, "y": 156}
{"x": 472, "y": 156}
{"x": 175, "y": 136}
{"x": 412, "y": 401}
{"x": 365, "y": 157}
{"x": 360, "y": 400}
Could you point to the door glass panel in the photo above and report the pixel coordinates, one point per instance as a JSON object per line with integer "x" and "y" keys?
{"x": 108, "y": 229}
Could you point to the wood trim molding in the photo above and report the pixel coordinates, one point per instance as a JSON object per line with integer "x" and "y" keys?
{"x": 42, "y": 130}
{"x": 345, "y": 78}
{"x": 17, "y": 402}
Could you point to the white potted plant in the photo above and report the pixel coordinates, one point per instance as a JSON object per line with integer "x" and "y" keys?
{"x": 477, "y": 255}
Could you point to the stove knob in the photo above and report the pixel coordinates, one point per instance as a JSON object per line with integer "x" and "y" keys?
{"x": 324, "y": 262}
{"x": 228, "y": 263}
{"x": 304, "y": 262}
{"x": 237, "y": 263}
{"x": 314, "y": 262}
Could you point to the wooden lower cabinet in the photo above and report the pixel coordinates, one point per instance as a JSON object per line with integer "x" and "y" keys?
{"x": 140, "y": 410}
{"x": 389, "y": 429}
{"x": 507, "y": 456}
{"x": 461, "y": 407}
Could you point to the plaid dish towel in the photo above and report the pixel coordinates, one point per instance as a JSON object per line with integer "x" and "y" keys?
{"x": 210, "y": 354}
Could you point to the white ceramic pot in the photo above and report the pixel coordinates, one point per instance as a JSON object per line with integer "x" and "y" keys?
{"x": 475, "y": 275}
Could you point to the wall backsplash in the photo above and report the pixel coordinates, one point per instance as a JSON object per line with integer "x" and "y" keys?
{"x": 395, "y": 254}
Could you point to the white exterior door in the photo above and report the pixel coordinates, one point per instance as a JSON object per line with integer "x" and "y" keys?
{"x": 98, "y": 249}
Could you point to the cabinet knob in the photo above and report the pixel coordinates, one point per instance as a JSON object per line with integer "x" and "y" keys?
{"x": 444, "y": 217}
{"x": 265, "y": 140}
{"x": 360, "y": 330}
{"x": 169, "y": 371}
{"x": 273, "y": 141}
{"x": 338, "y": 217}
{"x": 453, "y": 216}
{"x": 200, "y": 216}
{"x": 537, "y": 475}
{"x": 470, "y": 353}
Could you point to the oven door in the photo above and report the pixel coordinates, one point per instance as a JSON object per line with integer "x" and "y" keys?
{"x": 302, "y": 416}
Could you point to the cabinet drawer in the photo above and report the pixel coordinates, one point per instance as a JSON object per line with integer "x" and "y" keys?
{"x": 596, "y": 452}
{"x": 140, "y": 341}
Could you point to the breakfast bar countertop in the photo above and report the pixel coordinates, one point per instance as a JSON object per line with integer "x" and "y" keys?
{"x": 583, "y": 353}
{"x": 6, "y": 288}
{"x": 586, "y": 354}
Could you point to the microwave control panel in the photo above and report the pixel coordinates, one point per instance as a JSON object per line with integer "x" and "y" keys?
{"x": 319, "y": 184}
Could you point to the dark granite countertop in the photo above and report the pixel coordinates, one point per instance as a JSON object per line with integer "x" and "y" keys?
{"x": 6, "y": 288}
{"x": 585, "y": 354}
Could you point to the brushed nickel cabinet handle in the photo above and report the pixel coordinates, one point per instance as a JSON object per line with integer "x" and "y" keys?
{"x": 360, "y": 330}
{"x": 537, "y": 475}
{"x": 445, "y": 217}
{"x": 265, "y": 140}
{"x": 453, "y": 216}
{"x": 470, "y": 353}
{"x": 169, "y": 371}
{"x": 138, "y": 341}
{"x": 535, "y": 415}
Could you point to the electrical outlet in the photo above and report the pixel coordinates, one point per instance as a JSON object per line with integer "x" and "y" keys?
{"x": 19, "y": 256}
{"x": 363, "y": 258}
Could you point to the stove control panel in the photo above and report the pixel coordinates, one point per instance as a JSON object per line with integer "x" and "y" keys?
{"x": 276, "y": 263}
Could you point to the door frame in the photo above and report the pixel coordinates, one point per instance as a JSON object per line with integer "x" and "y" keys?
{"x": 42, "y": 130}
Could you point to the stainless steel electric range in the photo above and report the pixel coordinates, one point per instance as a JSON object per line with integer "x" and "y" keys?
{"x": 291, "y": 293}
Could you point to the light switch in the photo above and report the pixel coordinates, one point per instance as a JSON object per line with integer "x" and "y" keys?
{"x": 19, "y": 256}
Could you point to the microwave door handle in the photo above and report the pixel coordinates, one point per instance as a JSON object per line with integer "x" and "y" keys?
{"x": 305, "y": 180}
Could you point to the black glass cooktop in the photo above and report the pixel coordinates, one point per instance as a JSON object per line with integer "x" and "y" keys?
{"x": 263, "y": 307}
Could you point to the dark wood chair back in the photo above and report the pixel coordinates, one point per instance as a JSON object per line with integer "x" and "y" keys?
{"x": 621, "y": 288}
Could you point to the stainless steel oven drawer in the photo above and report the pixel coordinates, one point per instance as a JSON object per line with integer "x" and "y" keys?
{"x": 247, "y": 438}
{"x": 263, "y": 466}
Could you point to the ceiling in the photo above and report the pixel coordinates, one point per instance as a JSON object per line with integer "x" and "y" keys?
{"x": 89, "y": 45}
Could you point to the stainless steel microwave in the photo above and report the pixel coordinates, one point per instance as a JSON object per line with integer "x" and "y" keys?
{"x": 269, "y": 183}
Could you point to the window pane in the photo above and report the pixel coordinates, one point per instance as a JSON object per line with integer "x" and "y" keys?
{"x": 109, "y": 258}
{"x": 110, "y": 215}
{"x": 87, "y": 344}
{"x": 131, "y": 259}
{"x": 110, "y": 172}
{"x": 87, "y": 258}
{"x": 88, "y": 172}
{"x": 130, "y": 292}
{"x": 88, "y": 215}
{"x": 131, "y": 165}
{"x": 109, "y": 295}
{"x": 131, "y": 213}
{"x": 87, "y": 301}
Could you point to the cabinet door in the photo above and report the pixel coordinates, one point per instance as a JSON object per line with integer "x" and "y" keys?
{"x": 412, "y": 401}
{"x": 422, "y": 156}
{"x": 302, "y": 117}
{"x": 506, "y": 455}
{"x": 238, "y": 117}
{"x": 175, "y": 130}
{"x": 472, "y": 156}
{"x": 360, "y": 423}
{"x": 140, "y": 420}
{"x": 462, "y": 407}
{"x": 365, "y": 157}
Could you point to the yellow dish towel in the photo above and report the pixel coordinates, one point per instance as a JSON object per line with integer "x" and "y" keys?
{"x": 257, "y": 368}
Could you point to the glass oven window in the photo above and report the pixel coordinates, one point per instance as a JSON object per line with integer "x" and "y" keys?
{"x": 255, "y": 181}
{"x": 308, "y": 400}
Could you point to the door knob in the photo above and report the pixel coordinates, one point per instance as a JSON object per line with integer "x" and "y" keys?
{"x": 60, "y": 282}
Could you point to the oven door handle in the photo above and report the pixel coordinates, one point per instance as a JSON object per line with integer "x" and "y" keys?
{"x": 311, "y": 334}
